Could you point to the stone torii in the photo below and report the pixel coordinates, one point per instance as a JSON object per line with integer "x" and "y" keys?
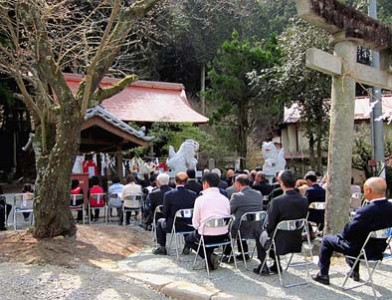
{"x": 348, "y": 29}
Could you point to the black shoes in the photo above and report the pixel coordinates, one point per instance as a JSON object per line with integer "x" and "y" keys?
{"x": 213, "y": 262}
{"x": 354, "y": 276}
{"x": 240, "y": 257}
{"x": 160, "y": 251}
{"x": 186, "y": 250}
{"x": 3, "y": 228}
{"x": 264, "y": 272}
{"x": 274, "y": 269}
{"x": 324, "y": 279}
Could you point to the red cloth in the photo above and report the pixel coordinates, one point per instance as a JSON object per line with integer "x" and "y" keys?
{"x": 96, "y": 189}
{"x": 90, "y": 163}
{"x": 76, "y": 191}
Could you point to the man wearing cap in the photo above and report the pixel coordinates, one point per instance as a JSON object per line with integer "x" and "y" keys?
{"x": 174, "y": 200}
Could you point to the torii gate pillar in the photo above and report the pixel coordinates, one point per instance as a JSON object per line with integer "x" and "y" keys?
{"x": 341, "y": 134}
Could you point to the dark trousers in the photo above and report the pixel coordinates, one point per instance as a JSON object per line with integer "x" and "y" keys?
{"x": 262, "y": 252}
{"x": 3, "y": 218}
{"x": 127, "y": 216}
{"x": 162, "y": 230}
{"x": 330, "y": 244}
{"x": 193, "y": 239}
{"x": 244, "y": 245}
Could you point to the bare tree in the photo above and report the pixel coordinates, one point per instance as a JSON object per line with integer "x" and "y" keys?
{"x": 38, "y": 40}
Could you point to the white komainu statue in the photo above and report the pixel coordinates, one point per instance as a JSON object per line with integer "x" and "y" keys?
{"x": 273, "y": 160}
{"x": 184, "y": 158}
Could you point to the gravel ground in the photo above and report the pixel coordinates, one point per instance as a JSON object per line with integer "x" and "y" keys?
{"x": 244, "y": 284}
{"x": 20, "y": 281}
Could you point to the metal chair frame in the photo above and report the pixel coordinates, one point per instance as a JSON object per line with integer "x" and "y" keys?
{"x": 186, "y": 213}
{"x": 132, "y": 202}
{"x": 112, "y": 196}
{"x": 290, "y": 225}
{"x": 99, "y": 197}
{"x": 256, "y": 216}
{"x": 215, "y": 222}
{"x": 384, "y": 233}
{"x": 158, "y": 209}
{"x": 75, "y": 207}
{"x": 320, "y": 206}
{"x": 26, "y": 205}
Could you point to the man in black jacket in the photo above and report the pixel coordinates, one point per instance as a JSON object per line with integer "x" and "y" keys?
{"x": 261, "y": 184}
{"x": 174, "y": 200}
{"x": 289, "y": 206}
{"x": 156, "y": 196}
{"x": 192, "y": 184}
{"x": 372, "y": 217}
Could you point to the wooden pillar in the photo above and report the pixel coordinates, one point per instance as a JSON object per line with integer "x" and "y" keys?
{"x": 119, "y": 162}
{"x": 341, "y": 135}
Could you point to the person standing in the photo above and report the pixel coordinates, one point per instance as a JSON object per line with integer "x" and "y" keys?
{"x": 174, "y": 200}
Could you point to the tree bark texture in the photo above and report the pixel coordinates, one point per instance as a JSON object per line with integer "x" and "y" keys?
{"x": 341, "y": 140}
{"x": 243, "y": 126}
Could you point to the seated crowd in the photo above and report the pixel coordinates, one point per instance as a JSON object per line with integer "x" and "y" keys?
{"x": 240, "y": 193}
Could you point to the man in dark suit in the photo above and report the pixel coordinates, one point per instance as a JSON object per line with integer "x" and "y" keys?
{"x": 246, "y": 200}
{"x": 291, "y": 205}
{"x": 174, "y": 200}
{"x": 261, "y": 184}
{"x": 192, "y": 184}
{"x": 375, "y": 216}
{"x": 315, "y": 193}
{"x": 156, "y": 196}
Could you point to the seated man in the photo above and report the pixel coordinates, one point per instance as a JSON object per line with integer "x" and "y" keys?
{"x": 246, "y": 200}
{"x": 315, "y": 193}
{"x": 4, "y": 206}
{"x": 289, "y": 206}
{"x": 211, "y": 203}
{"x": 261, "y": 184}
{"x": 174, "y": 200}
{"x": 131, "y": 188}
{"x": 156, "y": 196}
{"x": 192, "y": 184}
{"x": 77, "y": 190}
{"x": 372, "y": 217}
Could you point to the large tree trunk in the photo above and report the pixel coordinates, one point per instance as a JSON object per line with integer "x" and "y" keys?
{"x": 311, "y": 151}
{"x": 52, "y": 189}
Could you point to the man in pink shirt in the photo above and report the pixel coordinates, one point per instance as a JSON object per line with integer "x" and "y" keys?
{"x": 210, "y": 204}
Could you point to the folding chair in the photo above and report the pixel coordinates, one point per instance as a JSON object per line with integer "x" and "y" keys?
{"x": 297, "y": 225}
{"x": 114, "y": 202}
{"x": 265, "y": 202}
{"x": 157, "y": 210}
{"x": 250, "y": 220}
{"x": 217, "y": 223}
{"x": 96, "y": 201}
{"x": 183, "y": 215}
{"x": 77, "y": 204}
{"x": 384, "y": 233}
{"x": 315, "y": 206}
{"x": 23, "y": 203}
{"x": 131, "y": 203}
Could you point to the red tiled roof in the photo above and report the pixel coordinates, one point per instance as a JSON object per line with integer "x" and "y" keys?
{"x": 147, "y": 101}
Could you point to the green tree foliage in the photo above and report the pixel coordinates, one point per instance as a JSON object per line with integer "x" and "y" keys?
{"x": 292, "y": 82}
{"x": 230, "y": 91}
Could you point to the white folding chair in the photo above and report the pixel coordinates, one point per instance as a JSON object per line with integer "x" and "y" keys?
{"x": 315, "y": 206}
{"x": 99, "y": 199}
{"x": 297, "y": 225}
{"x": 184, "y": 216}
{"x": 131, "y": 203}
{"x": 385, "y": 234}
{"x": 77, "y": 204}
{"x": 157, "y": 210}
{"x": 217, "y": 223}
{"x": 251, "y": 220}
{"x": 114, "y": 202}
{"x": 23, "y": 203}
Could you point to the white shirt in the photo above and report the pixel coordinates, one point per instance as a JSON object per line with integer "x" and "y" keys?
{"x": 131, "y": 189}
